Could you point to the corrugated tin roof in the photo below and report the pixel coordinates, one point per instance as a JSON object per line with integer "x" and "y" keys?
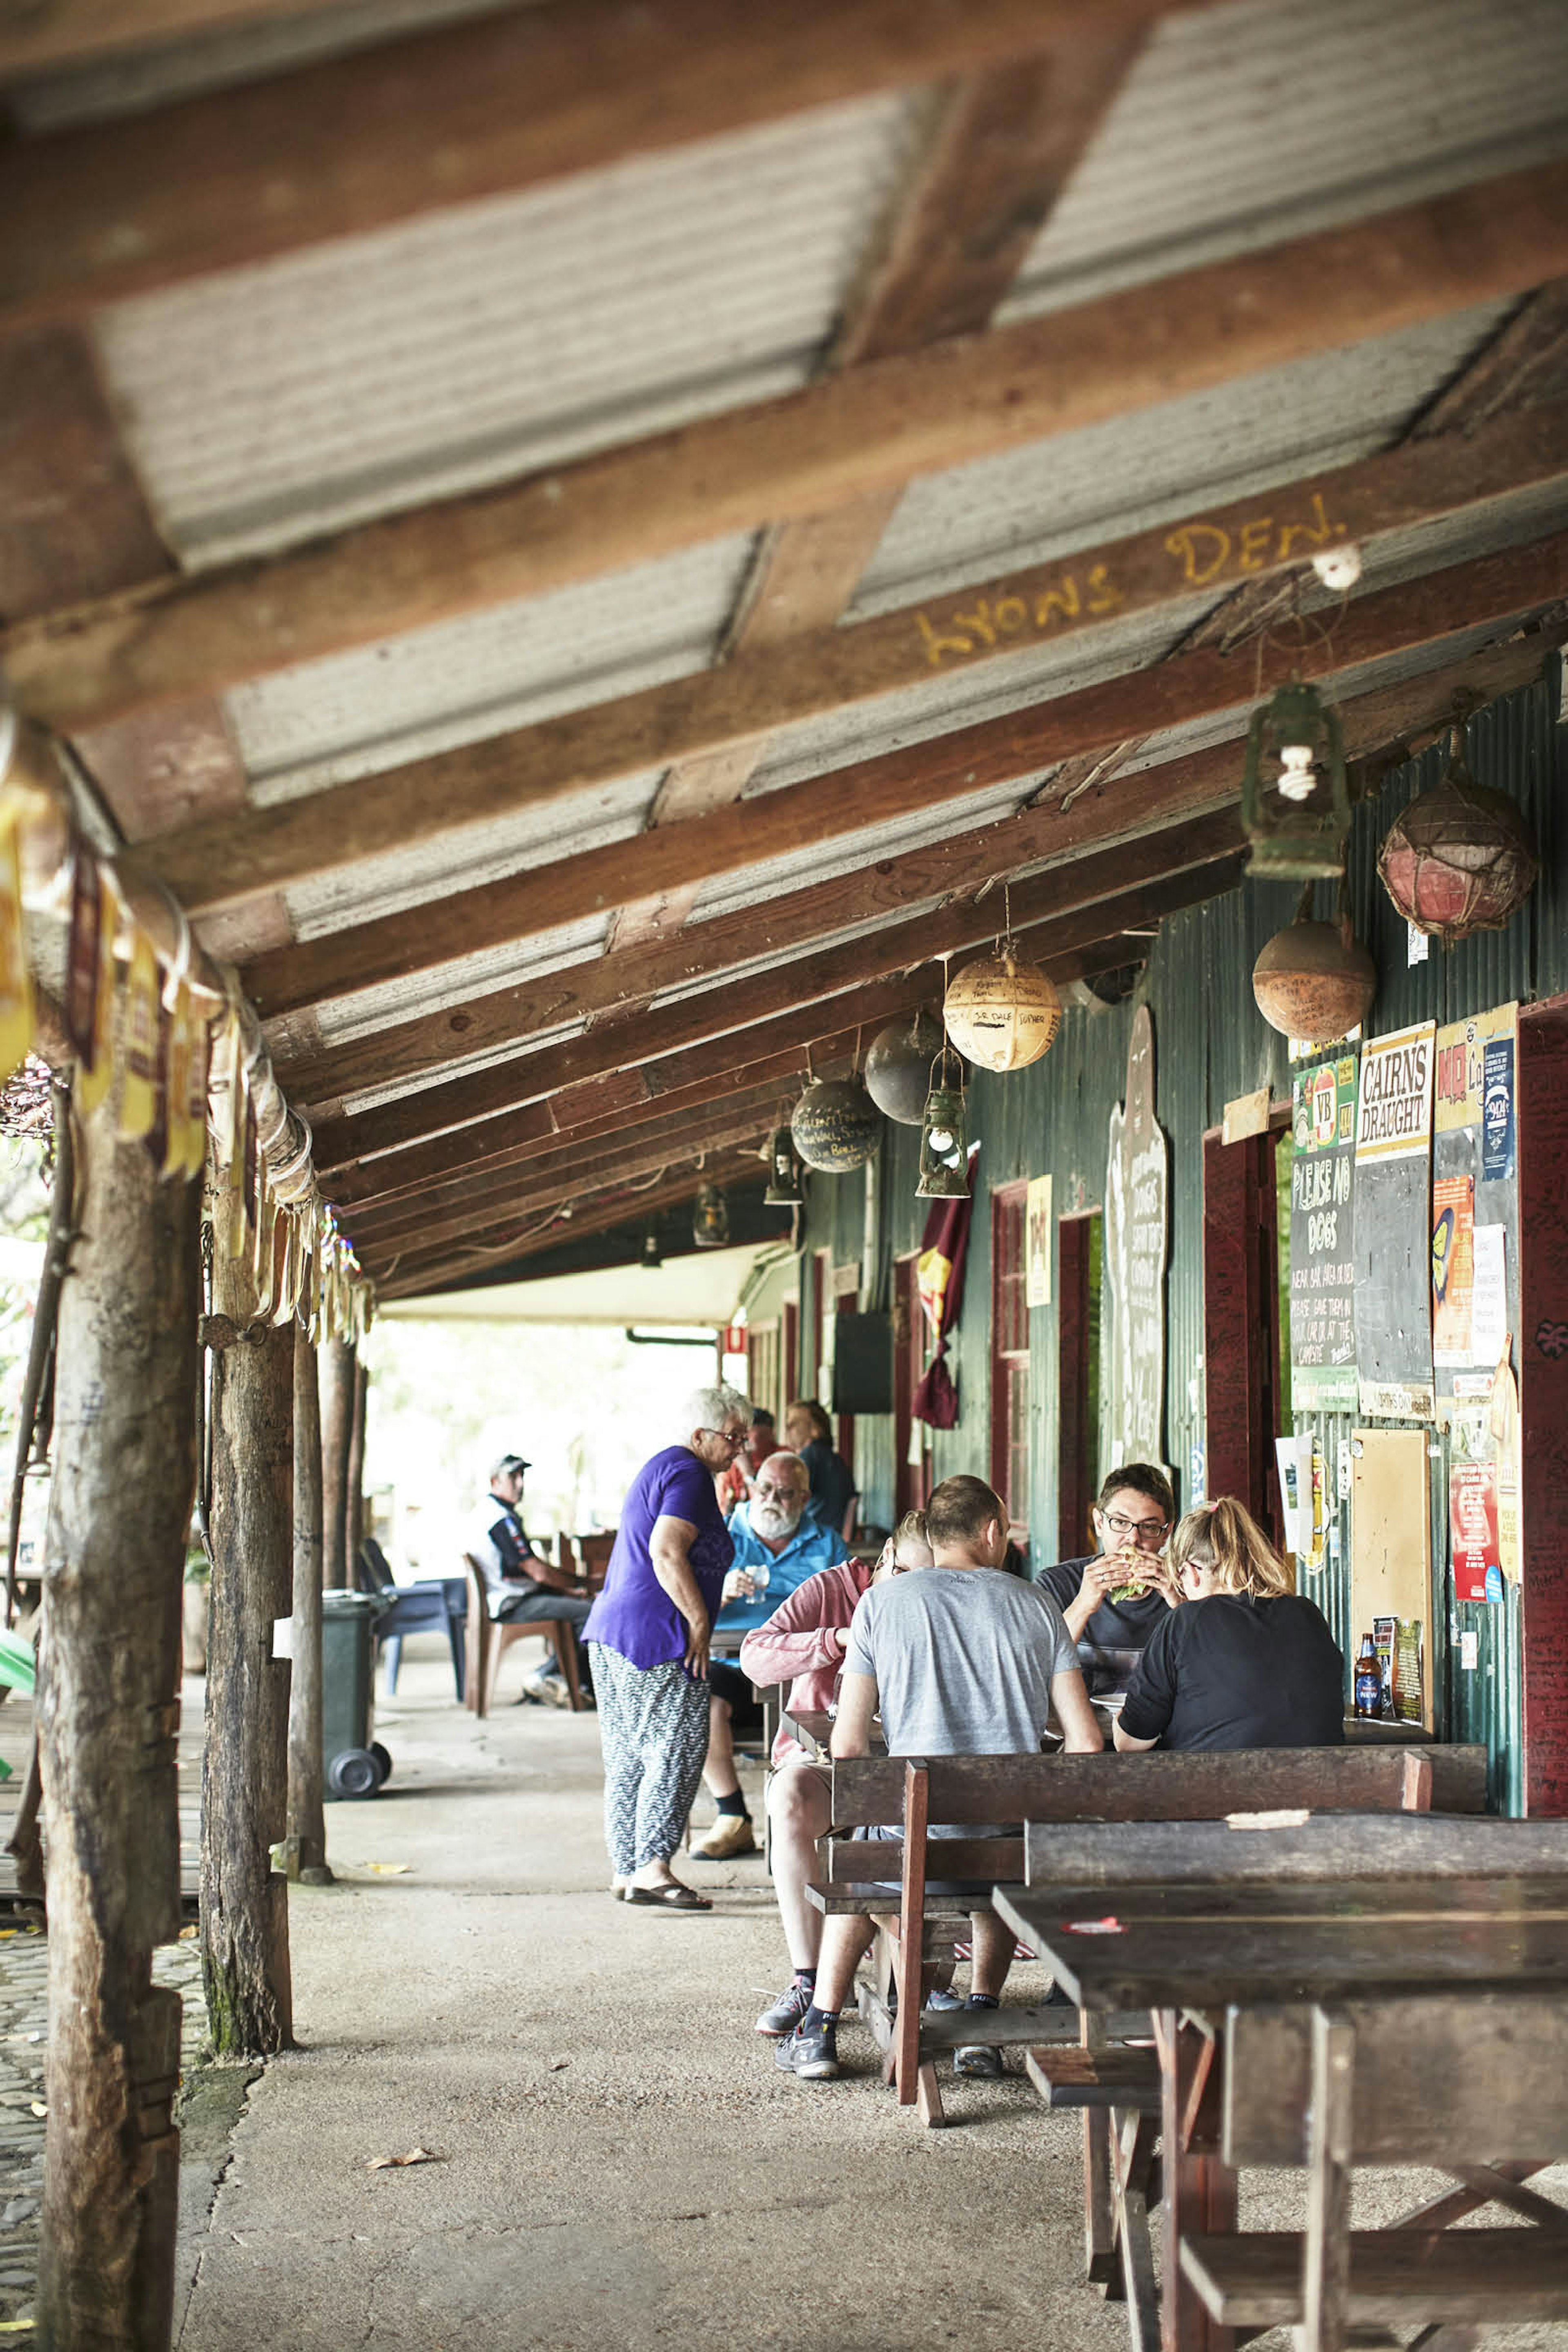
{"x": 1127, "y": 475}
{"x": 404, "y": 698}
{"x": 454, "y": 983}
{"x": 1241, "y": 125}
{"x": 268, "y": 404}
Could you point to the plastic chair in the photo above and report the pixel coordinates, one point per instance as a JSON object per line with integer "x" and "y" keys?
{"x": 488, "y": 1636}
{"x": 436, "y": 1604}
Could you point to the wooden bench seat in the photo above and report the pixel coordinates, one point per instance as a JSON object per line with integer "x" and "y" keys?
{"x": 1397, "y": 2276}
{"x": 1076, "y": 2077}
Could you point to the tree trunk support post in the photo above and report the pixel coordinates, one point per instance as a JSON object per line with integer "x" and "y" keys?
{"x": 109, "y": 1713}
{"x": 339, "y": 1383}
{"x": 245, "y": 1772}
{"x": 305, "y": 1846}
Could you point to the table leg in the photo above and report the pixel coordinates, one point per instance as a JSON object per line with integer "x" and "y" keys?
{"x": 1099, "y": 2210}
{"x": 1199, "y": 2189}
{"x": 1133, "y": 2159}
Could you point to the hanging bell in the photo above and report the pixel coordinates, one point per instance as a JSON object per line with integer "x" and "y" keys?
{"x": 651, "y": 1257}
{"x": 784, "y": 1173}
{"x": 1297, "y": 819}
{"x": 944, "y": 1146}
{"x": 710, "y": 1219}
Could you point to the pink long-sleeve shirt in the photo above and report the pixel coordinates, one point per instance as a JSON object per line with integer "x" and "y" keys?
{"x": 797, "y": 1645}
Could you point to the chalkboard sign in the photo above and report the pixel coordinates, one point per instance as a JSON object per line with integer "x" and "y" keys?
{"x": 1393, "y": 1228}
{"x": 1322, "y": 1259}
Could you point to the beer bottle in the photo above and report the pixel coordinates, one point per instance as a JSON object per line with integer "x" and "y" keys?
{"x": 1368, "y": 1679}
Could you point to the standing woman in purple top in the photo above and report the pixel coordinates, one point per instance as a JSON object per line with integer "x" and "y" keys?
{"x": 650, "y": 1628}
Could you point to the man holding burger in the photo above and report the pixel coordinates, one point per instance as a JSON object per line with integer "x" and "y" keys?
{"x": 1113, "y": 1599}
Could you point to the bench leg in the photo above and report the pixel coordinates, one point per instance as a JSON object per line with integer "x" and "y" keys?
{"x": 1134, "y": 2161}
{"x": 1098, "y": 2213}
{"x": 928, "y": 2098}
{"x": 1200, "y": 2196}
{"x": 1326, "y": 2258}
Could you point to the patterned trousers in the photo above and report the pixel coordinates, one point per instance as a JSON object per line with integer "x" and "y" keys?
{"x": 653, "y": 1731}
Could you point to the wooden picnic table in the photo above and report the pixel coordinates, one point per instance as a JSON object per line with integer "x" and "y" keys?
{"x": 1404, "y": 2018}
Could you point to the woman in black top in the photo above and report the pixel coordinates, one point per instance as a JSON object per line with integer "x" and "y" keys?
{"x": 810, "y": 1433}
{"x": 1243, "y": 1662}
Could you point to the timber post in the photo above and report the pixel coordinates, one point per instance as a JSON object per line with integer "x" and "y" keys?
{"x": 245, "y": 1771}
{"x": 338, "y": 1384}
{"x": 354, "y": 1500}
{"x": 109, "y": 1712}
{"x": 305, "y": 1845}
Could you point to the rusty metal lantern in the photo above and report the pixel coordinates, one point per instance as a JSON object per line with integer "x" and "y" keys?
{"x": 1297, "y": 821}
{"x": 835, "y": 1125}
{"x": 1002, "y": 1013}
{"x": 944, "y": 1145}
{"x": 784, "y": 1173}
{"x": 1314, "y": 981}
{"x": 710, "y": 1218}
{"x": 898, "y": 1067}
{"x": 1460, "y": 859}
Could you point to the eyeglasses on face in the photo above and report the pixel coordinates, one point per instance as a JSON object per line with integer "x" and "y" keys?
{"x": 1145, "y": 1531}
{"x": 785, "y": 1493}
{"x": 733, "y": 1438}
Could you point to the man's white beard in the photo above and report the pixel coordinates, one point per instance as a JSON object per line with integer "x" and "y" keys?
{"x": 775, "y": 1521}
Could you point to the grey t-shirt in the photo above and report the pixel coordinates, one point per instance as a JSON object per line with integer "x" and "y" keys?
{"x": 963, "y": 1659}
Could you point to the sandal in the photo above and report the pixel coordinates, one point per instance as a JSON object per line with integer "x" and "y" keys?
{"x": 671, "y": 1898}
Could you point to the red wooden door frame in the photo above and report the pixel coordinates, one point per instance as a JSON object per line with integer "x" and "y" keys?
{"x": 1241, "y": 1323}
{"x": 1541, "y": 1142}
{"x": 1074, "y": 1342}
{"x": 1004, "y": 1199}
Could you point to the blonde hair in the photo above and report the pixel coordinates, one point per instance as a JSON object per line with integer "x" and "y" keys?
{"x": 911, "y": 1528}
{"x": 1226, "y": 1538}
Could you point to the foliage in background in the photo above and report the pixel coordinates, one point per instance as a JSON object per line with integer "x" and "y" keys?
{"x": 586, "y": 1405}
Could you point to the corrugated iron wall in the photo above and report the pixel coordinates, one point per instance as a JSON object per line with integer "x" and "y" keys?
{"x": 1210, "y": 1046}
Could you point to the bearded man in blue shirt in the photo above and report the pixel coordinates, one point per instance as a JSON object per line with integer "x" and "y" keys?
{"x": 778, "y": 1544}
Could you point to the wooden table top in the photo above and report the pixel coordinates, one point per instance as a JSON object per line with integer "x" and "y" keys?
{"x": 1206, "y": 1947}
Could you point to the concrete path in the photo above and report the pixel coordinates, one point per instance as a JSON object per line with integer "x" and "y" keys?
{"x": 620, "y": 2160}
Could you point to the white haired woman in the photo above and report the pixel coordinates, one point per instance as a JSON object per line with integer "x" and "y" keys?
{"x": 1242, "y": 1661}
{"x": 650, "y": 1629}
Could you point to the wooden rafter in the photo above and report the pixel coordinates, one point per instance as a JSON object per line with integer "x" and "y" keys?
{"x": 821, "y": 972}
{"x": 453, "y": 115}
{"x": 1002, "y": 149}
{"x": 222, "y": 862}
{"x": 853, "y": 433}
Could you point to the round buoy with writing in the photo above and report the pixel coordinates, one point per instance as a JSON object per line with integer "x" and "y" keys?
{"x": 1314, "y": 981}
{"x": 835, "y": 1125}
{"x": 1002, "y": 1013}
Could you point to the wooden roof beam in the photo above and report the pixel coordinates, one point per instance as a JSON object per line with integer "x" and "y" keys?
{"x": 215, "y": 863}
{"x": 836, "y": 440}
{"x": 452, "y": 115}
{"x": 709, "y": 1012}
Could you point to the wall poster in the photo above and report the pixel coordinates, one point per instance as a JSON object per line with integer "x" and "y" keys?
{"x": 1136, "y": 1235}
{"x": 1474, "y": 1294}
{"x": 1393, "y": 1237}
{"x": 1039, "y": 1241}
{"x": 1322, "y": 1263}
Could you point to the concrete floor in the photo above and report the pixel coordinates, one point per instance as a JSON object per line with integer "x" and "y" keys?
{"x": 620, "y": 2160}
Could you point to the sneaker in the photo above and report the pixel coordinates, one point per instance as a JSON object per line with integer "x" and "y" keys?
{"x": 787, "y": 2012}
{"x": 943, "y": 1997}
{"x": 549, "y": 1685}
{"x": 981, "y": 2058}
{"x": 731, "y": 1834}
{"x": 813, "y": 2057}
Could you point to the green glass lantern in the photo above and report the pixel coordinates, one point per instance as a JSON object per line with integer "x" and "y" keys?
{"x": 944, "y": 1145}
{"x": 1297, "y": 818}
{"x": 651, "y": 1257}
{"x": 710, "y": 1218}
{"x": 784, "y": 1173}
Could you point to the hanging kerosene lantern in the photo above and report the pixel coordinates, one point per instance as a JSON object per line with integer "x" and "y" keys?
{"x": 1460, "y": 859}
{"x": 651, "y": 1256}
{"x": 710, "y": 1219}
{"x": 944, "y": 1144}
{"x": 784, "y": 1173}
{"x": 1296, "y": 820}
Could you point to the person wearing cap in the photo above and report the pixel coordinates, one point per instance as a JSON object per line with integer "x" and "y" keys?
{"x": 520, "y": 1585}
